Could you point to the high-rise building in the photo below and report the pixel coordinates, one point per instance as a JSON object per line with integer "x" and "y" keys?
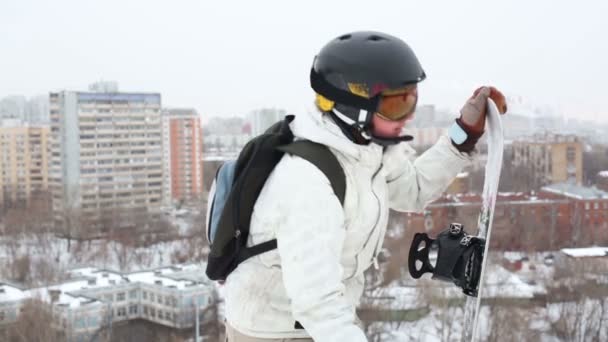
{"x": 23, "y": 162}
{"x": 550, "y": 159}
{"x": 13, "y": 107}
{"x": 262, "y": 119}
{"x": 106, "y": 154}
{"x": 37, "y": 110}
{"x": 182, "y": 155}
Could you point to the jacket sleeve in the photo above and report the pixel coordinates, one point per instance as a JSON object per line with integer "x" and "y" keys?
{"x": 310, "y": 239}
{"x": 412, "y": 183}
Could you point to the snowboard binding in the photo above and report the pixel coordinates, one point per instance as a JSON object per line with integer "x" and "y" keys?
{"x": 459, "y": 257}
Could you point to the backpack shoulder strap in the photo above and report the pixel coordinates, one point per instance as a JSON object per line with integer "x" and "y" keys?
{"x": 321, "y": 157}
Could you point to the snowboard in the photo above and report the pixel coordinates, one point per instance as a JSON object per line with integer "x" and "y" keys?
{"x": 495, "y": 141}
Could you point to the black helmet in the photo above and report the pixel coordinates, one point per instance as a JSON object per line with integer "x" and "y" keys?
{"x": 351, "y": 72}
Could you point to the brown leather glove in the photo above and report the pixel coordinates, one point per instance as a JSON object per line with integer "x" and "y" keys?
{"x": 473, "y": 113}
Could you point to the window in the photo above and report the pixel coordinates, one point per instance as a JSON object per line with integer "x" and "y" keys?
{"x": 571, "y": 154}
{"x": 144, "y": 295}
{"x": 151, "y": 297}
{"x": 93, "y": 321}
{"x": 120, "y": 297}
{"x": 152, "y": 312}
{"x": 596, "y": 205}
{"x": 159, "y": 314}
{"x": 121, "y": 312}
{"x": 145, "y": 310}
{"x": 133, "y": 310}
{"x": 133, "y": 294}
{"x": 80, "y": 323}
{"x": 168, "y": 316}
{"x": 159, "y": 299}
{"x": 587, "y": 206}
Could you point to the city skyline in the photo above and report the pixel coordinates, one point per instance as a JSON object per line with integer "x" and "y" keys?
{"x": 225, "y": 60}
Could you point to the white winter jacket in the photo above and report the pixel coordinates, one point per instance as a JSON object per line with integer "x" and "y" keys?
{"x": 315, "y": 276}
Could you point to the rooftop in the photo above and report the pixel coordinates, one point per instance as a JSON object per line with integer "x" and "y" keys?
{"x": 178, "y": 277}
{"x": 576, "y": 191}
{"x": 180, "y": 112}
{"x": 549, "y": 138}
{"x": 586, "y": 252}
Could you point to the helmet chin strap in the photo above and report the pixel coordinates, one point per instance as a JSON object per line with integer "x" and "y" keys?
{"x": 364, "y": 129}
{"x": 391, "y": 141}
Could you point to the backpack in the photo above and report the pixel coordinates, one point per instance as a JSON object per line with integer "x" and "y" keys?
{"x": 238, "y": 184}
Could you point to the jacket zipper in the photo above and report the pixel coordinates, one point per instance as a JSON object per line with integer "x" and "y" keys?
{"x": 375, "y": 258}
{"x": 373, "y": 228}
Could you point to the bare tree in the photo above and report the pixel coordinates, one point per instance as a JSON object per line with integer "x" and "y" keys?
{"x": 580, "y": 310}
{"x": 69, "y": 224}
{"x": 508, "y": 323}
{"x": 34, "y": 323}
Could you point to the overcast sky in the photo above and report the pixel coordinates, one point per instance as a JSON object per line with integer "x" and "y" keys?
{"x": 229, "y": 57}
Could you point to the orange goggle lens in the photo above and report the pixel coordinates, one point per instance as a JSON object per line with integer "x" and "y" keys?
{"x": 397, "y": 107}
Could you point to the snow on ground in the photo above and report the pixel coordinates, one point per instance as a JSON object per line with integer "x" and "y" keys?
{"x": 502, "y": 283}
{"x": 445, "y": 324}
{"x": 52, "y": 252}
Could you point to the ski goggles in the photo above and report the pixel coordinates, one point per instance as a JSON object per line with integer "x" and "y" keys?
{"x": 398, "y": 104}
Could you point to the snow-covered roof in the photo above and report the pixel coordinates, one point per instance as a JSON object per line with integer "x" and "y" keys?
{"x": 64, "y": 298}
{"x": 180, "y": 276}
{"x": 87, "y": 278}
{"x": 576, "y": 191}
{"x": 393, "y": 297}
{"x": 220, "y": 157}
{"x": 100, "y": 277}
{"x": 586, "y": 252}
{"x": 162, "y": 279}
{"x": 9, "y": 293}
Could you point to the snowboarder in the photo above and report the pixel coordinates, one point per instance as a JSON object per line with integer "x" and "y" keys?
{"x": 309, "y": 287}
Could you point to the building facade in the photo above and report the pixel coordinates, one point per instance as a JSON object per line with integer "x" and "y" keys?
{"x": 106, "y": 154}
{"x": 559, "y": 216}
{"x": 549, "y": 159}
{"x": 182, "y": 155}
{"x": 24, "y": 157}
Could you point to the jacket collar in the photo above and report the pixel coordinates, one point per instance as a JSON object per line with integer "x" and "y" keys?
{"x": 320, "y": 128}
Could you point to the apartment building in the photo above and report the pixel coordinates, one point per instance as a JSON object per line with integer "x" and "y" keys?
{"x": 549, "y": 159}
{"x": 24, "y": 155}
{"x": 182, "y": 155}
{"x": 106, "y": 154}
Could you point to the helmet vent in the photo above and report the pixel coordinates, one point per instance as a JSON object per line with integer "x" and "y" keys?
{"x": 345, "y": 37}
{"x": 375, "y": 38}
